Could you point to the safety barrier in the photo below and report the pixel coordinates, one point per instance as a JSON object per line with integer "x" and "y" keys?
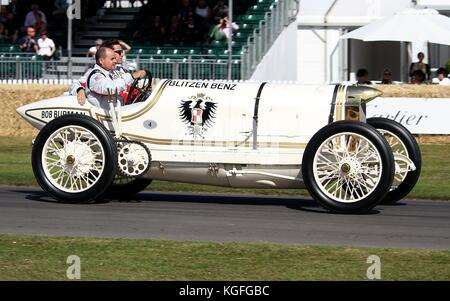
{"x": 15, "y": 69}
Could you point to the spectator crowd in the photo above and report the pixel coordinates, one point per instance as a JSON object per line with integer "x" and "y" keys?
{"x": 24, "y": 23}
{"x": 188, "y": 23}
{"x": 419, "y": 73}
{"x": 172, "y": 23}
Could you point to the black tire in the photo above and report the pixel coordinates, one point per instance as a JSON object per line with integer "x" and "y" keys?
{"x": 97, "y": 190}
{"x": 386, "y": 159}
{"x": 126, "y": 190}
{"x": 413, "y": 153}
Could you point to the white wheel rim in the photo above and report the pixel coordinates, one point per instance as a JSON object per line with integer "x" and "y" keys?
{"x": 133, "y": 159}
{"x": 347, "y": 167}
{"x": 398, "y": 147}
{"x": 73, "y": 159}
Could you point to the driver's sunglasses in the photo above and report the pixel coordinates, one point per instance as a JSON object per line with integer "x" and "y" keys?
{"x": 119, "y": 52}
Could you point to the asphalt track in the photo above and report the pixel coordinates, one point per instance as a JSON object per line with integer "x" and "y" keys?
{"x": 191, "y": 216}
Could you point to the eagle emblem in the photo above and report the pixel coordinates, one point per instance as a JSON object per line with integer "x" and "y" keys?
{"x": 198, "y": 112}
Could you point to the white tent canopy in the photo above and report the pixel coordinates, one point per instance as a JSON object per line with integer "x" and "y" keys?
{"x": 410, "y": 25}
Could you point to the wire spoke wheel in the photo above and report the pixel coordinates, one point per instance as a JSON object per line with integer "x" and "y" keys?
{"x": 73, "y": 159}
{"x": 398, "y": 147}
{"x": 347, "y": 167}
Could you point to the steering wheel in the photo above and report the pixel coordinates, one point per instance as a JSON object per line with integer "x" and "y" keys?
{"x": 136, "y": 93}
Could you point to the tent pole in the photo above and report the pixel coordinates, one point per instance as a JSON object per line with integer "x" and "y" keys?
{"x": 409, "y": 57}
{"x": 429, "y": 61}
{"x": 230, "y": 40}
{"x": 402, "y": 62}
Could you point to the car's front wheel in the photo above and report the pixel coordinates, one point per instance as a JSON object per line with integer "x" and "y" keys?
{"x": 74, "y": 158}
{"x": 348, "y": 167}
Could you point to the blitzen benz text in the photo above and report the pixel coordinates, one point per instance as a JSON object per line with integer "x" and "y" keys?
{"x": 202, "y": 85}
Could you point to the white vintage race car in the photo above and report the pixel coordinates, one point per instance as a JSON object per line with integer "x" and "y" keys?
{"x": 234, "y": 134}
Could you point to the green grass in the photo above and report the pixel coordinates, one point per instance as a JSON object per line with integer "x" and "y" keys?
{"x": 434, "y": 181}
{"x": 15, "y": 169}
{"x": 44, "y": 258}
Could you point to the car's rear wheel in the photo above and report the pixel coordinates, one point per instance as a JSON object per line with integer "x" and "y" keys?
{"x": 348, "y": 167}
{"x": 402, "y": 142}
{"x": 74, "y": 158}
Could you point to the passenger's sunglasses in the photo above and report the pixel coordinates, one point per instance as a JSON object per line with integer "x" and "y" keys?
{"x": 119, "y": 52}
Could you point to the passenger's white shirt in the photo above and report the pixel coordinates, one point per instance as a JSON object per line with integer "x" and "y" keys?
{"x": 81, "y": 82}
{"x": 102, "y": 84}
{"x": 45, "y": 46}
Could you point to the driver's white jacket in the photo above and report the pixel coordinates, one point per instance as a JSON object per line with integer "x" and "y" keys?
{"x": 81, "y": 82}
{"x": 100, "y": 84}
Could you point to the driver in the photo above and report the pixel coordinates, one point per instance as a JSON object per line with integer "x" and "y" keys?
{"x": 78, "y": 86}
{"x": 101, "y": 83}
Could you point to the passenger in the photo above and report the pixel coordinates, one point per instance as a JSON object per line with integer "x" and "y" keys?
{"x": 101, "y": 84}
{"x": 77, "y": 87}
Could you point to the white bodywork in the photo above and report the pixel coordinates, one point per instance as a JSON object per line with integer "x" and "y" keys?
{"x": 231, "y": 149}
